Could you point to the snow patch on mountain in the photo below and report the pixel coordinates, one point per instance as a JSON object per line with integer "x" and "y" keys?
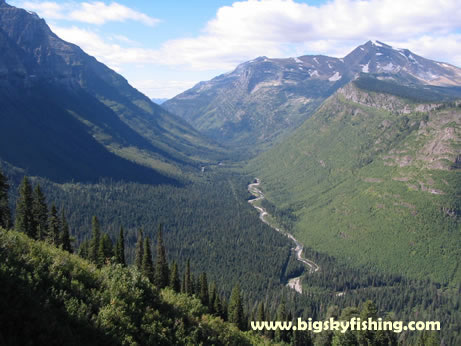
{"x": 376, "y": 43}
{"x": 335, "y": 77}
{"x": 389, "y": 67}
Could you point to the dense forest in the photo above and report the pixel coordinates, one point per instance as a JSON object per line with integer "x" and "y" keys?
{"x": 339, "y": 290}
{"x": 208, "y": 222}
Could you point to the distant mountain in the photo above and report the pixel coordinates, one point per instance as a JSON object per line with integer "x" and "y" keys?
{"x": 65, "y": 116}
{"x": 264, "y": 98}
{"x": 159, "y": 101}
{"x": 373, "y": 177}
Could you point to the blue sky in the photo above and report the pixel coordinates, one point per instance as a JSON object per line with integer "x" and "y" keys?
{"x": 164, "y": 48}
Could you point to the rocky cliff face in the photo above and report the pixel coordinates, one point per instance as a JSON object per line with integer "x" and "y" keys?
{"x": 386, "y": 102}
{"x": 264, "y": 98}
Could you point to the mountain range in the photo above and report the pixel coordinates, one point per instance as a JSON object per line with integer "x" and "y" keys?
{"x": 67, "y": 116}
{"x": 358, "y": 158}
{"x": 264, "y": 98}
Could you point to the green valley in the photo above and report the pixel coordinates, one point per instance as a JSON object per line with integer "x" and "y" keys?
{"x": 372, "y": 179}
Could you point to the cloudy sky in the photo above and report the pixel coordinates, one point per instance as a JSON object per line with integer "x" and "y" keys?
{"x": 166, "y": 47}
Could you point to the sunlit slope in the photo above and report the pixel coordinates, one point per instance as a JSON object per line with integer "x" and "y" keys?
{"x": 374, "y": 178}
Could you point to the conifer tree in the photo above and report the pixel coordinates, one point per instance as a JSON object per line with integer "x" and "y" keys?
{"x": 95, "y": 240}
{"x": 65, "y": 234}
{"x": 212, "y": 298}
{"x": 281, "y": 335}
{"x": 161, "y": 265}
{"x": 147, "y": 265}
{"x": 139, "y": 250}
{"x": 193, "y": 285}
{"x": 120, "y": 248}
{"x": 105, "y": 250}
{"x": 183, "y": 281}
{"x": 203, "y": 289}
{"x": 187, "y": 279}
{"x": 5, "y": 213}
{"x": 224, "y": 308}
{"x": 84, "y": 249}
{"x": 101, "y": 259}
{"x": 235, "y": 308}
{"x": 54, "y": 227}
{"x": 218, "y": 308}
{"x": 40, "y": 213}
{"x": 24, "y": 221}
{"x": 260, "y": 314}
{"x": 369, "y": 310}
{"x": 175, "y": 284}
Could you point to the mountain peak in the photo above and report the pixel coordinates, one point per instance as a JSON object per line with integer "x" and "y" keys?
{"x": 376, "y": 43}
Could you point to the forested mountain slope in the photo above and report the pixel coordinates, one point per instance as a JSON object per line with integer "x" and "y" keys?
{"x": 373, "y": 178}
{"x": 64, "y": 115}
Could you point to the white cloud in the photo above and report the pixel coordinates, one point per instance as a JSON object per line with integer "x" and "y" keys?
{"x": 288, "y": 28}
{"x": 280, "y": 28}
{"x": 274, "y": 28}
{"x": 100, "y": 13}
{"x": 162, "y": 89}
{"x": 47, "y": 9}
{"x": 440, "y": 48}
{"x": 95, "y": 12}
{"x": 112, "y": 54}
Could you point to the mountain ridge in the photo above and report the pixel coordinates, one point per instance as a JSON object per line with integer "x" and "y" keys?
{"x": 264, "y": 98}
{"x": 372, "y": 178}
{"x": 123, "y": 125}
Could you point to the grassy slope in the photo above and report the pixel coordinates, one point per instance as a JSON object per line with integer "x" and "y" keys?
{"x": 344, "y": 173}
{"x": 58, "y": 298}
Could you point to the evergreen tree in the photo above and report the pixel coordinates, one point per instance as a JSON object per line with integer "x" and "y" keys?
{"x": 218, "y": 308}
{"x": 84, "y": 249}
{"x": 224, "y": 308}
{"x": 261, "y": 315}
{"x": 212, "y": 298}
{"x": 54, "y": 227}
{"x": 24, "y": 221}
{"x": 95, "y": 240}
{"x": 147, "y": 266}
{"x": 388, "y": 337}
{"x": 120, "y": 248}
{"x": 40, "y": 213}
{"x": 139, "y": 250}
{"x": 161, "y": 264}
{"x": 428, "y": 338}
{"x": 303, "y": 338}
{"x": 187, "y": 279}
{"x": 204, "y": 296}
{"x": 183, "y": 281}
{"x": 235, "y": 308}
{"x": 369, "y": 310}
{"x": 65, "y": 234}
{"x": 281, "y": 335}
{"x": 105, "y": 250}
{"x": 192, "y": 284}
{"x": 175, "y": 284}
{"x": 5, "y": 213}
